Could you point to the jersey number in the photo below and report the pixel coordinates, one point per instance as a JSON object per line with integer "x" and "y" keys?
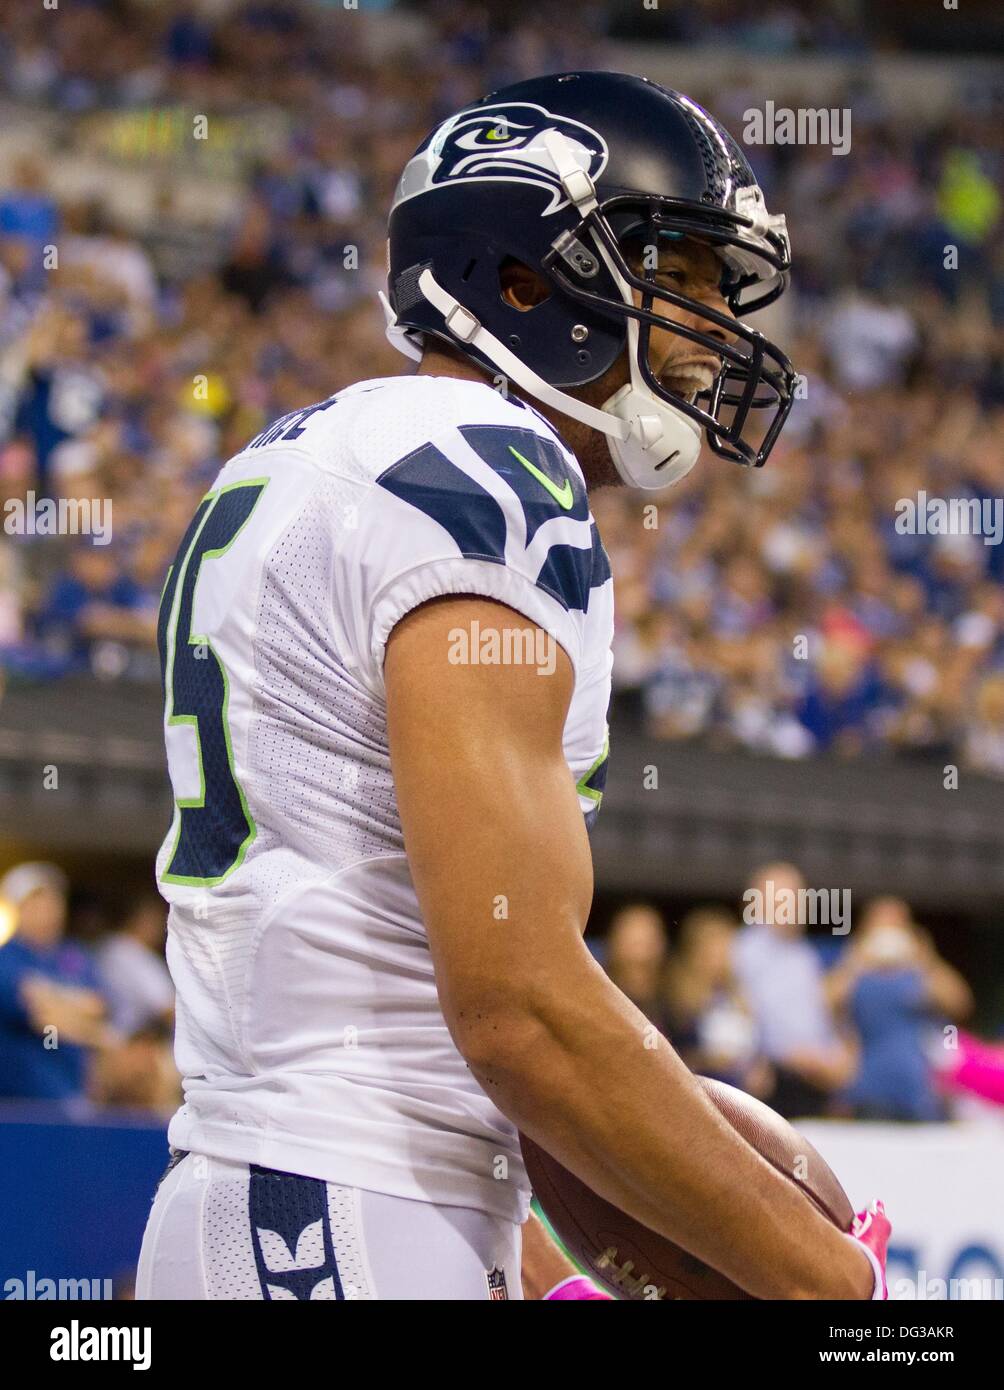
{"x": 215, "y": 828}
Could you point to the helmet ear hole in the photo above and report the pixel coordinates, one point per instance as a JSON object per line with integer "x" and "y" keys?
{"x": 521, "y": 286}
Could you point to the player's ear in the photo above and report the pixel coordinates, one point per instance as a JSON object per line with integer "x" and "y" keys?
{"x": 521, "y": 287}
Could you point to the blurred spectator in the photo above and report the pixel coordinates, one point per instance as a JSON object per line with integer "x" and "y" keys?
{"x": 985, "y": 738}
{"x": 61, "y": 392}
{"x": 133, "y": 973}
{"x": 894, "y": 988}
{"x": 93, "y": 599}
{"x": 138, "y": 1074}
{"x": 51, "y": 1012}
{"x": 636, "y": 959}
{"x": 782, "y": 977}
{"x": 28, "y": 212}
{"x": 710, "y": 1023}
{"x": 838, "y": 704}
{"x": 868, "y": 342}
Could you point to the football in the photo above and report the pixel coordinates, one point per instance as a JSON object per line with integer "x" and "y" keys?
{"x": 633, "y": 1262}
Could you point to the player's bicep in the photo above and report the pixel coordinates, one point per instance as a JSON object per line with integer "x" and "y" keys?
{"x": 492, "y": 825}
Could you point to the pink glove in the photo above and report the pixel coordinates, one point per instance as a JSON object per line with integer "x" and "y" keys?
{"x": 871, "y": 1229}
{"x": 576, "y": 1286}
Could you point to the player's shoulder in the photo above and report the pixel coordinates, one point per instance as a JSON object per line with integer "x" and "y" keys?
{"x": 433, "y": 465}
{"x": 441, "y": 426}
{"x": 373, "y": 425}
{"x": 489, "y": 480}
{"x": 438, "y": 442}
{"x": 459, "y": 442}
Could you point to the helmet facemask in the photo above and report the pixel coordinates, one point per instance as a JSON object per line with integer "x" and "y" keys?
{"x": 754, "y": 374}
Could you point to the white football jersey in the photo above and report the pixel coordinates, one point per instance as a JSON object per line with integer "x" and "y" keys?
{"x": 309, "y": 1035}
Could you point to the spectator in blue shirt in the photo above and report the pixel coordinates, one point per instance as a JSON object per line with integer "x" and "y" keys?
{"x": 28, "y": 210}
{"x": 50, "y": 1011}
{"x": 93, "y": 599}
{"x": 838, "y": 705}
{"x": 895, "y": 989}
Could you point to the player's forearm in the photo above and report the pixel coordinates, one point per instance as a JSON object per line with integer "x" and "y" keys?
{"x": 500, "y": 860}
{"x": 580, "y": 1072}
{"x": 543, "y": 1264}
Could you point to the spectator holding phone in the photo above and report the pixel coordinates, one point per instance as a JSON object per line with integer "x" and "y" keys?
{"x": 893, "y": 986}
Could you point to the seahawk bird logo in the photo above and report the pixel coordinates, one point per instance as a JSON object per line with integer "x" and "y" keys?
{"x": 501, "y": 142}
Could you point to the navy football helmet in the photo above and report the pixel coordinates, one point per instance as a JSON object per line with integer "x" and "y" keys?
{"x": 562, "y": 173}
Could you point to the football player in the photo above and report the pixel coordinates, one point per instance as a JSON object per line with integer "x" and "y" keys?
{"x": 386, "y": 653}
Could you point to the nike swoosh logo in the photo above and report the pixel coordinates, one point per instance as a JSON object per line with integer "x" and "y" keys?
{"x": 562, "y": 495}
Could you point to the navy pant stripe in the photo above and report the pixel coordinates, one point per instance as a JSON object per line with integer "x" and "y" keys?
{"x": 287, "y": 1204}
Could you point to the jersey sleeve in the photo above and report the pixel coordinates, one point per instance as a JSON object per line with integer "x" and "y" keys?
{"x": 495, "y": 510}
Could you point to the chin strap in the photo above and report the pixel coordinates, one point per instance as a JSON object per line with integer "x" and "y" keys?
{"x": 468, "y": 330}
{"x": 664, "y": 443}
{"x": 406, "y": 340}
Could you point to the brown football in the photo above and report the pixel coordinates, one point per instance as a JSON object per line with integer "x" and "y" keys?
{"x": 633, "y": 1262}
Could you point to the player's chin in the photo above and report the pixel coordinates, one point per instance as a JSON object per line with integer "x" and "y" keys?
{"x": 688, "y": 385}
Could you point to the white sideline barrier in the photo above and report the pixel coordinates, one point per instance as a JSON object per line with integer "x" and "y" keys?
{"x": 943, "y": 1188}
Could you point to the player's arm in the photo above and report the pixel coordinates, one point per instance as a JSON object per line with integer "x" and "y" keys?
{"x": 543, "y": 1265}
{"x": 501, "y": 863}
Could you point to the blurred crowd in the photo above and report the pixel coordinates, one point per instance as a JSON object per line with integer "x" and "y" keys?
{"x": 859, "y": 1024}
{"x": 779, "y": 27}
{"x": 784, "y": 611}
{"x": 86, "y": 1018}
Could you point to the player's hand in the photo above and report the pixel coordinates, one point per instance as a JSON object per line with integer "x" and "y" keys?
{"x": 871, "y": 1229}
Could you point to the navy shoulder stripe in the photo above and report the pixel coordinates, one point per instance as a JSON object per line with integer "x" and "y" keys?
{"x": 535, "y": 469}
{"x": 601, "y": 561}
{"x": 541, "y": 479}
{"x": 570, "y": 573}
{"x": 428, "y": 480}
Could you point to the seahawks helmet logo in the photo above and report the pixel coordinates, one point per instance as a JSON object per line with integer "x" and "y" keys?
{"x": 501, "y": 142}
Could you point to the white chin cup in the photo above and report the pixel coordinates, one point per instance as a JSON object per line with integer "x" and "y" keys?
{"x": 663, "y": 444}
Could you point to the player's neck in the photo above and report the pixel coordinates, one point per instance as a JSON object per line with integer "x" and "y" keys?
{"x": 442, "y": 361}
{"x": 589, "y": 447}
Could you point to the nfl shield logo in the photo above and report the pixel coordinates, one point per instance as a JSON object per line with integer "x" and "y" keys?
{"x": 497, "y": 1290}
